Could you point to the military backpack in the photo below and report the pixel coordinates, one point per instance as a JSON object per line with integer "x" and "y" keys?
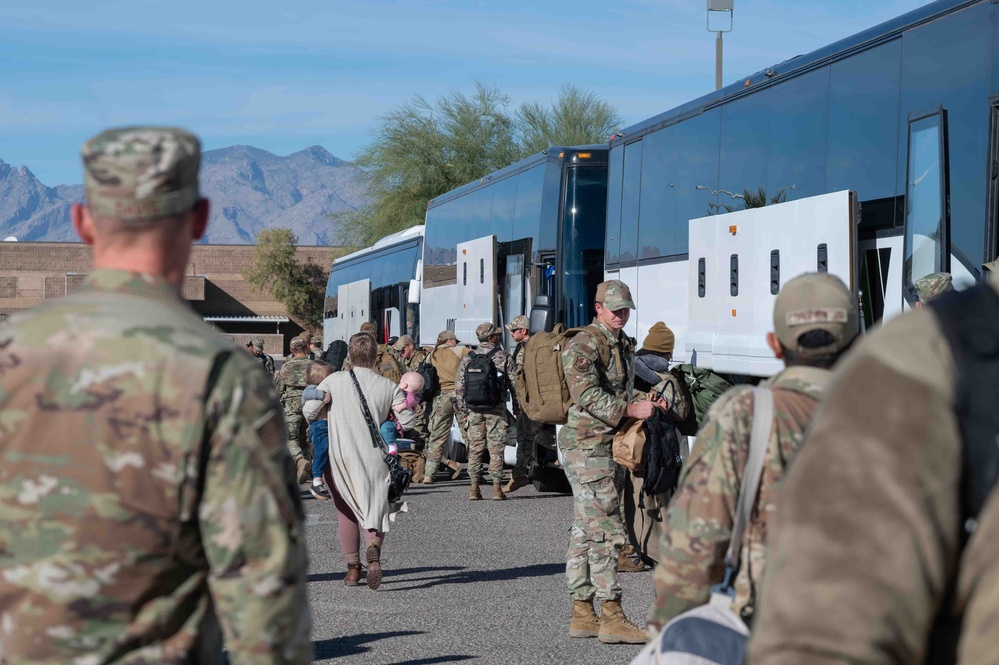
{"x": 431, "y": 382}
{"x": 482, "y": 382}
{"x": 540, "y": 380}
{"x": 702, "y": 388}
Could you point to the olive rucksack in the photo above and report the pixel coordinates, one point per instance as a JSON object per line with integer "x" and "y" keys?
{"x": 540, "y": 382}
{"x": 702, "y": 387}
{"x": 482, "y": 382}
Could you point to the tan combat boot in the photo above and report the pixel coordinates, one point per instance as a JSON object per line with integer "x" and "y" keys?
{"x": 456, "y": 467}
{"x": 625, "y": 564}
{"x": 585, "y": 622}
{"x": 498, "y": 492}
{"x": 615, "y": 627}
{"x": 474, "y": 494}
{"x": 516, "y": 482}
{"x": 304, "y": 469}
{"x": 429, "y": 472}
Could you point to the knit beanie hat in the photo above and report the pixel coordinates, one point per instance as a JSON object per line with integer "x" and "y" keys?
{"x": 660, "y": 339}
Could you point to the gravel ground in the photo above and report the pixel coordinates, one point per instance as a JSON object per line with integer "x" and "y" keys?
{"x": 464, "y": 581}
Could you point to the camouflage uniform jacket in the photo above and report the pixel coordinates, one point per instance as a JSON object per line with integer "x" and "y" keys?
{"x": 266, "y": 362}
{"x": 290, "y": 380}
{"x": 143, "y": 502}
{"x": 504, "y": 365}
{"x": 698, "y": 522}
{"x": 413, "y": 364}
{"x": 388, "y": 363}
{"x": 865, "y": 550}
{"x": 600, "y": 395}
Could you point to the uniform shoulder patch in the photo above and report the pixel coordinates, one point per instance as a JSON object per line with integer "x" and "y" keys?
{"x": 582, "y": 363}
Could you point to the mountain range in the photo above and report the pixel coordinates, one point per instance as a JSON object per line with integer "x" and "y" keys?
{"x": 250, "y": 190}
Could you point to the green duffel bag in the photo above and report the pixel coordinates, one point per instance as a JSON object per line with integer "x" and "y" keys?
{"x": 702, "y": 387}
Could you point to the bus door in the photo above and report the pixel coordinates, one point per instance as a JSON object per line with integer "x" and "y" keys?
{"x": 476, "y": 287}
{"x": 738, "y": 263}
{"x": 354, "y": 302}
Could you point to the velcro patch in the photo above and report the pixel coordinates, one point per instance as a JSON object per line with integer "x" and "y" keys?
{"x": 582, "y": 363}
{"x": 804, "y": 317}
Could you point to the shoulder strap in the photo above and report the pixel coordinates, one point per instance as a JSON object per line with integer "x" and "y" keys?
{"x": 759, "y": 441}
{"x": 376, "y": 437}
{"x": 970, "y": 322}
{"x": 493, "y": 352}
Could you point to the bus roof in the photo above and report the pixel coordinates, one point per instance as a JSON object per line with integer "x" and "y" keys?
{"x": 795, "y": 66}
{"x": 553, "y": 153}
{"x": 389, "y": 240}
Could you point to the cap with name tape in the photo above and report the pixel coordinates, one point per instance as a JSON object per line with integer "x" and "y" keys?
{"x": 816, "y": 301}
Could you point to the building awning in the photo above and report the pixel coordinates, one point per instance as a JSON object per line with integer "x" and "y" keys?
{"x": 247, "y": 319}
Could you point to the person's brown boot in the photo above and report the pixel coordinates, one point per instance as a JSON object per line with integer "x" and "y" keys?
{"x": 615, "y": 627}
{"x": 498, "y": 492}
{"x": 516, "y": 482}
{"x": 585, "y": 622}
{"x": 304, "y": 469}
{"x": 456, "y": 467}
{"x": 625, "y": 564}
{"x": 475, "y": 494}
{"x": 353, "y": 577}
{"x": 374, "y": 575}
{"x": 427, "y": 479}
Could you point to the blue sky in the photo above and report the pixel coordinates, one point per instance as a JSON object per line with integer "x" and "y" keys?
{"x": 284, "y": 76}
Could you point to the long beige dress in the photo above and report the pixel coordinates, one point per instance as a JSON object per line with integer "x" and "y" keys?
{"x": 359, "y": 472}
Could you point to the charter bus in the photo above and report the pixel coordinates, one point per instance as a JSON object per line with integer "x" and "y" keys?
{"x": 527, "y": 237}
{"x": 379, "y": 283}
{"x": 904, "y": 115}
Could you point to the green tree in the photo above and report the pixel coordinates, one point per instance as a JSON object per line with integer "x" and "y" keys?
{"x": 577, "y": 117}
{"x": 749, "y": 199}
{"x": 423, "y": 149}
{"x": 300, "y": 287}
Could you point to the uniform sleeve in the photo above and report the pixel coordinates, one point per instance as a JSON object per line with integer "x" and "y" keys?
{"x": 579, "y": 364}
{"x": 252, "y": 524}
{"x": 459, "y": 384}
{"x": 278, "y": 381}
{"x": 699, "y": 519}
{"x": 865, "y": 535}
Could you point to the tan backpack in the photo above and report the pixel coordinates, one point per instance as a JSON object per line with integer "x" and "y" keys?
{"x": 539, "y": 380}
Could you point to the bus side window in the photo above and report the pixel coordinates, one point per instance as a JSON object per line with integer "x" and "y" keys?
{"x": 927, "y": 228}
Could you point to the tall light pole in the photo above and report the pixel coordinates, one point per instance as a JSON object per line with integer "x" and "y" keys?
{"x": 719, "y": 10}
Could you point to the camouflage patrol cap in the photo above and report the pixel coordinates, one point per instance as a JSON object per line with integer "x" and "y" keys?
{"x": 444, "y": 336}
{"x": 369, "y": 327}
{"x": 298, "y": 344}
{"x": 615, "y": 295}
{"x": 140, "y": 173}
{"x": 484, "y": 330}
{"x": 403, "y": 342}
{"x": 519, "y": 323}
{"x": 933, "y": 286}
{"x": 815, "y": 301}
{"x": 257, "y": 343}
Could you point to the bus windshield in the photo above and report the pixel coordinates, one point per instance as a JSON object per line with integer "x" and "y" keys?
{"x": 584, "y": 209}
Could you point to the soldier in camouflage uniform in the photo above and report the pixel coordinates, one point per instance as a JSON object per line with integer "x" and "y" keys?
{"x": 290, "y": 383}
{"x": 388, "y": 363}
{"x": 933, "y": 286}
{"x": 871, "y": 543}
{"x": 815, "y": 321}
{"x": 148, "y": 501}
{"x": 486, "y": 428}
{"x": 445, "y": 358}
{"x": 530, "y": 434}
{"x": 411, "y": 356}
{"x": 256, "y": 346}
{"x": 602, "y": 396}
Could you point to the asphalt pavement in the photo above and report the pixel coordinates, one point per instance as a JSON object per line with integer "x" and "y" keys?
{"x": 464, "y": 581}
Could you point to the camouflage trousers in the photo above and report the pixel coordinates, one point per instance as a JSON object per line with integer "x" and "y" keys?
{"x": 442, "y": 414}
{"x": 597, "y": 532}
{"x": 486, "y": 430}
{"x": 528, "y": 433}
{"x": 297, "y": 430}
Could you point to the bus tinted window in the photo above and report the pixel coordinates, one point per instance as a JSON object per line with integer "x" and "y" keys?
{"x": 658, "y": 207}
{"x": 799, "y": 123}
{"x": 862, "y": 92}
{"x": 745, "y": 129}
{"x": 631, "y": 195}
{"x": 527, "y": 212}
{"x": 583, "y": 217}
{"x": 387, "y": 268}
{"x": 615, "y": 174}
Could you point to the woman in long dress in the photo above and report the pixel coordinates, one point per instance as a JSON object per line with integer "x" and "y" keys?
{"x": 358, "y": 476}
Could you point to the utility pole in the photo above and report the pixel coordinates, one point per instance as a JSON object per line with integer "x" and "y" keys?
{"x": 719, "y": 10}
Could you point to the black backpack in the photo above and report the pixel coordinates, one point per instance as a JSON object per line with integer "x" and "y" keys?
{"x": 482, "y": 384}
{"x": 335, "y": 354}
{"x": 970, "y": 323}
{"x": 431, "y": 382}
{"x": 661, "y": 456}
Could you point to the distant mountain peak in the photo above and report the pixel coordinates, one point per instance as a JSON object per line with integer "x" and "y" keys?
{"x": 319, "y": 154}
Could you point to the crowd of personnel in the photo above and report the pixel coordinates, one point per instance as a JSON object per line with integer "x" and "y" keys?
{"x": 151, "y": 472}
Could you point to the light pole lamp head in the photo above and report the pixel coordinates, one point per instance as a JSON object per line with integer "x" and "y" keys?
{"x": 720, "y": 5}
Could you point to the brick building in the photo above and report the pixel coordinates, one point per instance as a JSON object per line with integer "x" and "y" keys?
{"x": 32, "y": 272}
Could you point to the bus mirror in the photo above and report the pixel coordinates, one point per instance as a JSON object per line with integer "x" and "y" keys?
{"x": 414, "y": 292}
{"x": 542, "y": 314}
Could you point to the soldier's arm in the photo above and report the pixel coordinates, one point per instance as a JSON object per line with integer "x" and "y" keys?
{"x": 459, "y": 385}
{"x": 252, "y": 524}
{"x": 866, "y": 532}
{"x": 579, "y": 364}
{"x": 699, "y": 519}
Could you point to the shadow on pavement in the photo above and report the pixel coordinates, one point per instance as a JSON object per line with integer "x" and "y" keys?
{"x": 475, "y": 576}
{"x": 388, "y": 572}
{"x": 352, "y": 645}
{"x": 437, "y": 659}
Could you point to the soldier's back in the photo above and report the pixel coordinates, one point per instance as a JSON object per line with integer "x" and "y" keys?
{"x": 100, "y": 445}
